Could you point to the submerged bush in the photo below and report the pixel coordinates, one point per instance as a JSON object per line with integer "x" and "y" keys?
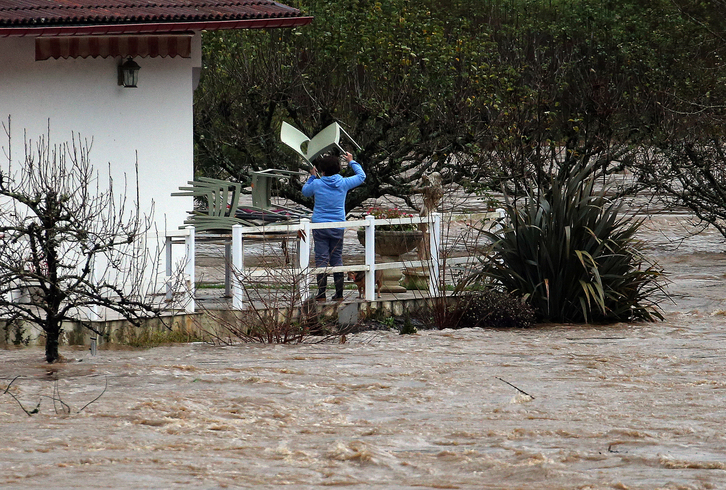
{"x": 483, "y": 308}
{"x": 495, "y": 309}
{"x": 572, "y": 254}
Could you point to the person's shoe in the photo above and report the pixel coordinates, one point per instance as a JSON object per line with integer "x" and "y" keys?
{"x": 337, "y": 298}
{"x": 320, "y": 299}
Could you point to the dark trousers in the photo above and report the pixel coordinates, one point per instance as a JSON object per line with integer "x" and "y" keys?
{"x": 329, "y": 253}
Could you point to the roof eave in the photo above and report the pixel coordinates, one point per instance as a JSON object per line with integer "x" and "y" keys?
{"x": 158, "y": 27}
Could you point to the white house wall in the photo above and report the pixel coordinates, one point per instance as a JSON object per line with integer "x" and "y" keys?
{"x": 83, "y": 96}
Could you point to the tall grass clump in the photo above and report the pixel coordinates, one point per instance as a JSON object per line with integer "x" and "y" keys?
{"x": 572, "y": 254}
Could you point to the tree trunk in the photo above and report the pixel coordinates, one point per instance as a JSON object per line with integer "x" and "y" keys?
{"x": 52, "y": 334}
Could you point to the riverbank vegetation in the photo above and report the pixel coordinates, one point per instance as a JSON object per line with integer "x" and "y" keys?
{"x": 487, "y": 93}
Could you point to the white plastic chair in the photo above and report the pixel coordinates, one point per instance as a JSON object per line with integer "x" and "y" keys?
{"x": 325, "y": 140}
{"x": 294, "y": 138}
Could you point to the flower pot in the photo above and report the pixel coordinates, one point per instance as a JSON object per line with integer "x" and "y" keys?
{"x": 390, "y": 245}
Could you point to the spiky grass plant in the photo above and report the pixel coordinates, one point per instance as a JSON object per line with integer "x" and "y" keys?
{"x": 572, "y": 254}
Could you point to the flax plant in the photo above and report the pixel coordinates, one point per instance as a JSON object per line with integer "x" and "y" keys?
{"x": 573, "y": 255}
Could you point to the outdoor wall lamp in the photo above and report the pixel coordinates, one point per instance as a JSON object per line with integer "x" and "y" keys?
{"x": 128, "y": 73}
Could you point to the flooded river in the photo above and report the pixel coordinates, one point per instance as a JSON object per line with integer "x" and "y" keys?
{"x": 628, "y": 406}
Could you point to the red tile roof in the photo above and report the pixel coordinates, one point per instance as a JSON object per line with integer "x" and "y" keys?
{"x": 156, "y": 15}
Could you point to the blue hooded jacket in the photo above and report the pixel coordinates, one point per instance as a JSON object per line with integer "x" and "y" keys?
{"x": 330, "y": 192}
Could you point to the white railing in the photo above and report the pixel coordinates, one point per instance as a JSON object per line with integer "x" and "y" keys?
{"x": 303, "y": 269}
{"x": 188, "y": 236}
{"x": 306, "y": 272}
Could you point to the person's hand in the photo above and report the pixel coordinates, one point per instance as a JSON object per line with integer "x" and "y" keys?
{"x": 314, "y": 171}
{"x": 348, "y": 157}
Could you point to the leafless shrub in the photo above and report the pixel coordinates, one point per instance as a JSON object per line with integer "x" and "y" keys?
{"x": 274, "y": 310}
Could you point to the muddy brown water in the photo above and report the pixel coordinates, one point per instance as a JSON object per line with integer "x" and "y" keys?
{"x": 624, "y": 406}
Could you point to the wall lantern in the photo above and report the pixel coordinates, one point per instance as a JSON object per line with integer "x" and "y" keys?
{"x": 128, "y": 73}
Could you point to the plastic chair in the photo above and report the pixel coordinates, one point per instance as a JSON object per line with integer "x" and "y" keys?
{"x": 294, "y": 138}
{"x": 322, "y": 142}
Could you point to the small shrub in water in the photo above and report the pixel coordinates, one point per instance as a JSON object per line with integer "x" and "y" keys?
{"x": 389, "y": 322}
{"x": 495, "y": 309}
{"x": 408, "y": 328}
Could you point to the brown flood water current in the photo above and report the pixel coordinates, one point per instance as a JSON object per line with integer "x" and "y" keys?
{"x": 624, "y": 406}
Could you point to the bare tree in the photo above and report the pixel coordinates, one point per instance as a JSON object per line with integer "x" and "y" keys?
{"x": 69, "y": 247}
{"x": 689, "y": 173}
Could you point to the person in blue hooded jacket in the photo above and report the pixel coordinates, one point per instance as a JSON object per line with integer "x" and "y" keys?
{"x": 329, "y": 189}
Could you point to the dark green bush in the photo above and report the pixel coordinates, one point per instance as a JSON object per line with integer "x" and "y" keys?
{"x": 572, "y": 255}
{"x": 495, "y": 309}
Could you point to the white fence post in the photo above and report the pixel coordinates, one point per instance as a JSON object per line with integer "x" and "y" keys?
{"x": 228, "y": 261}
{"x": 190, "y": 250}
{"x": 238, "y": 267}
{"x": 434, "y": 247}
{"x": 169, "y": 269}
{"x": 501, "y": 213}
{"x": 370, "y": 258}
{"x": 304, "y": 249}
